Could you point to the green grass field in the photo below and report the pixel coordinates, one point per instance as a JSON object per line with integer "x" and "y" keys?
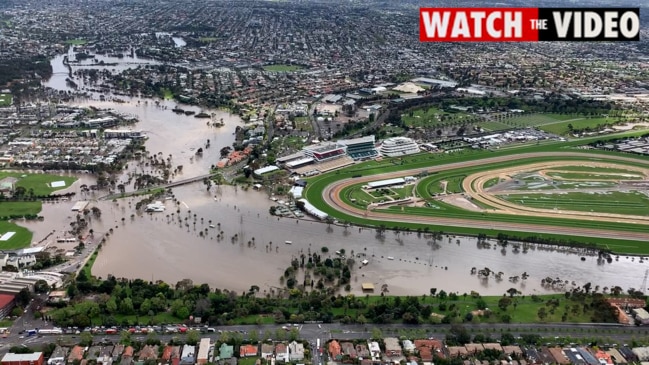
{"x": 494, "y": 126}
{"x": 316, "y": 184}
{"x": 282, "y": 68}
{"x": 22, "y": 238}
{"x": 6, "y": 100}
{"x": 207, "y": 39}
{"x": 9, "y": 208}
{"x": 592, "y": 176}
{"x": 39, "y": 183}
{"x": 561, "y": 128}
{"x": 534, "y": 120}
{"x": 631, "y": 203}
{"x": 431, "y": 116}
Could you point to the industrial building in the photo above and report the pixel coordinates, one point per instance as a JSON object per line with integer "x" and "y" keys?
{"x": 35, "y": 358}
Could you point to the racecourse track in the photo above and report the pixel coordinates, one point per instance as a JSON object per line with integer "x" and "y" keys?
{"x": 331, "y": 195}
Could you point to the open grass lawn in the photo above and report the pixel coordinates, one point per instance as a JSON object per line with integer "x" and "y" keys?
{"x": 254, "y": 319}
{"x": 76, "y": 42}
{"x": 303, "y": 124}
{"x": 534, "y": 120}
{"x": 167, "y": 94}
{"x": 494, "y": 126}
{"x": 22, "y": 238}
{"x": 561, "y": 128}
{"x": 593, "y": 169}
{"x": 282, "y": 68}
{"x": 6, "y": 100}
{"x": 9, "y": 208}
{"x": 207, "y": 39}
{"x": 40, "y": 183}
{"x": 593, "y": 176}
{"x": 87, "y": 268}
{"x": 247, "y": 360}
{"x": 491, "y": 182}
{"x": 523, "y": 309}
{"x": 430, "y": 116}
{"x": 404, "y": 192}
{"x": 632, "y": 203}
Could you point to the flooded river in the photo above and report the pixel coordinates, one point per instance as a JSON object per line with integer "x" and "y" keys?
{"x": 156, "y": 247}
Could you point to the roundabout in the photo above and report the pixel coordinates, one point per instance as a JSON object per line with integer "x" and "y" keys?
{"x": 494, "y": 211}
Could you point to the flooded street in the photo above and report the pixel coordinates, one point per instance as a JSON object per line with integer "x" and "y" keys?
{"x": 157, "y": 246}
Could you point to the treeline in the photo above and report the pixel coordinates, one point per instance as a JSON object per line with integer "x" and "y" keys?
{"x": 552, "y": 104}
{"x": 19, "y": 68}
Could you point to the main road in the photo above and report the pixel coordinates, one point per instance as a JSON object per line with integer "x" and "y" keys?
{"x": 311, "y": 332}
{"x": 331, "y": 195}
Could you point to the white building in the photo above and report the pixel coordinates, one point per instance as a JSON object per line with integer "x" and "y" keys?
{"x": 296, "y": 351}
{"x": 398, "y": 146}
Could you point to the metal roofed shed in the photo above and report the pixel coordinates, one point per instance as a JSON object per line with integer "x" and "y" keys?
{"x": 79, "y": 206}
{"x": 265, "y": 170}
{"x": 384, "y": 183}
{"x": 313, "y": 210}
{"x": 367, "y": 286}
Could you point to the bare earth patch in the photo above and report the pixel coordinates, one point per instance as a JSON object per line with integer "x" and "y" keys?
{"x": 460, "y": 201}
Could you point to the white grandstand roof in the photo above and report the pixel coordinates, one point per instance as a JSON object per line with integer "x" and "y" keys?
{"x": 365, "y": 139}
{"x": 299, "y": 162}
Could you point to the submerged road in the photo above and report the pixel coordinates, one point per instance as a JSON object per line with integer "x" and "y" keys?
{"x": 331, "y": 195}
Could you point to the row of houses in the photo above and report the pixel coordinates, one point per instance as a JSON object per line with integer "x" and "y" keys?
{"x": 426, "y": 350}
{"x": 205, "y": 352}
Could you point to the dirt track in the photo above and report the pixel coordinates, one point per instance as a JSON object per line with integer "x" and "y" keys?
{"x": 331, "y": 195}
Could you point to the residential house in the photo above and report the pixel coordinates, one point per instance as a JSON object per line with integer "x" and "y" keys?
{"x": 166, "y": 354}
{"x": 512, "y": 350}
{"x": 226, "y": 351}
{"x": 58, "y": 356}
{"x": 335, "y": 351}
{"x": 106, "y": 356}
{"x": 148, "y": 352}
{"x": 296, "y": 351}
{"x": 348, "y": 349}
{"x": 188, "y": 355}
{"x": 603, "y": 357}
{"x": 281, "y": 352}
{"x": 76, "y": 353}
{"x": 267, "y": 351}
{"x": 247, "y": 351}
{"x": 93, "y": 353}
{"x": 408, "y": 346}
{"x": 616, "y": 356}
{"x": 362, "y": 351}
{"x": 117, "y": 351}
{"x": 375, "y": 349}
{"x": 127, "y": 356}
{"x": 559, "y": 357}
{"x": 457, "y": 351}
{"x": 427, "y": 348}
{"x": 493, "y": 346}
{"x": 203, "y": 351}
{"x": 392, "y": 347}
{"x": 474, "y": 348}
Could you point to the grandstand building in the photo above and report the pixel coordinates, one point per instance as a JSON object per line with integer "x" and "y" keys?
{"x": 325, "y": 151}
{"x": 398, "y": 146}
{"x": 360, "y": 148}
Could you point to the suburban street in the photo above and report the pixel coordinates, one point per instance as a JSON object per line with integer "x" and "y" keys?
{"x": 311, "y": 332}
